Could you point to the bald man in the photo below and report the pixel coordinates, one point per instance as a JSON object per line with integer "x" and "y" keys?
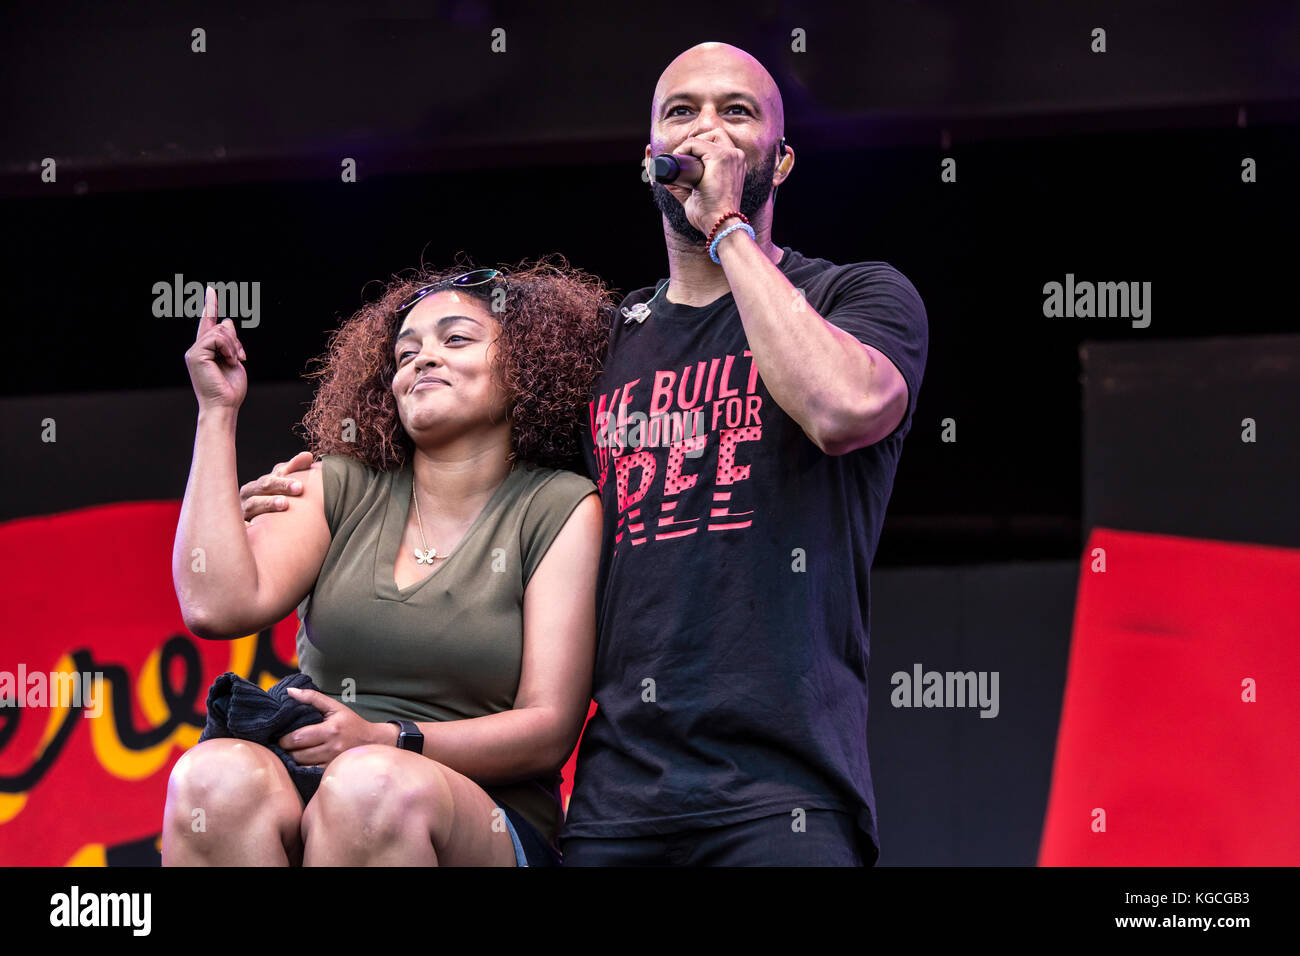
{"x": 744, "y": 435}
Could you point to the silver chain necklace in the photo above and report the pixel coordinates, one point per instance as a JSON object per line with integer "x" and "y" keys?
{"x": 429, "y": 555}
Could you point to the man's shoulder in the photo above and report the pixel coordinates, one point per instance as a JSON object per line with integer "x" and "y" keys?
{"x": 866, "y": 270}
{"x": 637, "y": 295}
{"x": 843, "y": 284}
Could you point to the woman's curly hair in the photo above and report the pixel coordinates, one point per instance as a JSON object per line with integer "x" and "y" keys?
{"x": 555, "y": 323}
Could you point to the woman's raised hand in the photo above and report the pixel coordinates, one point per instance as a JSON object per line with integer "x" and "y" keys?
{"x": 215, "y": 360}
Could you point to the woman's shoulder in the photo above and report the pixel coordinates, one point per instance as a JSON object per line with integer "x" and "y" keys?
{"x": 346, "y": 465}
{"x": 350, "y": 476}
{"x": 547, "y": 496}
{"x": 346, "y": 483}
{"x": 555, "y": 483}
{"x": 550, "y": 497}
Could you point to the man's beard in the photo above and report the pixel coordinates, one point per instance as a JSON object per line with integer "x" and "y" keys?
{"x": 757, "y": 189}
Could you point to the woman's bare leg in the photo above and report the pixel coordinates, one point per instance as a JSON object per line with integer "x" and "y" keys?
{"x": 381, "y": 806}
{"x": 231, "y": 802}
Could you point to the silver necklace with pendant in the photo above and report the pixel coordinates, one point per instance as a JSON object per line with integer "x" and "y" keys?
{"x": 428, "y": 555}
{"x": 641, "y": 311}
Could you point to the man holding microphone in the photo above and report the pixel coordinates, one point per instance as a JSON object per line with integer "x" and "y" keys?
{"x": 731, "y": 674}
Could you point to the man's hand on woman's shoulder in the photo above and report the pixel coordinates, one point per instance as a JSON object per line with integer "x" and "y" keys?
{"x": 272, "y": 492}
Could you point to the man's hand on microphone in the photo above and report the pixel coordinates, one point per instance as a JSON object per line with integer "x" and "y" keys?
{"x": 720, "y": 188}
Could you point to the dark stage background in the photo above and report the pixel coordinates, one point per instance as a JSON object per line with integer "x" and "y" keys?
{"x": 1124, "y": 166}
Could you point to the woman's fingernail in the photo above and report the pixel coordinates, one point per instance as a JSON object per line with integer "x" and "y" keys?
{"x": 279, "y": 502}
{"x": 296, "y": 486}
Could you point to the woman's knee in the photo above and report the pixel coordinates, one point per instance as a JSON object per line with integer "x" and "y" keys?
{"x": 227, "y": 776}
{"x": 381, "y": 789}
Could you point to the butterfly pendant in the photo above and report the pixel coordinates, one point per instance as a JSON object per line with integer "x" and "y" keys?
{"x": 425, "y": 557}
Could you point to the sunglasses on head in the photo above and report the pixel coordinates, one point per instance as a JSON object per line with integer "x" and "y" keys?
{"x": 467, "y": 280}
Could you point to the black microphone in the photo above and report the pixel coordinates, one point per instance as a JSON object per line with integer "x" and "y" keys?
{"x": 679, "y": 169}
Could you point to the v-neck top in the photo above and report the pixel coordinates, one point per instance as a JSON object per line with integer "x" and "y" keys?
{"x": 449, "y": 646}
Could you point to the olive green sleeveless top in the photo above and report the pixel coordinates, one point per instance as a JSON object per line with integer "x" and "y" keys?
{"x": 451, "y": 645}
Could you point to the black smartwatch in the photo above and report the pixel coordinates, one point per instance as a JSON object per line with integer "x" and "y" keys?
{"x": 409, "y": 736}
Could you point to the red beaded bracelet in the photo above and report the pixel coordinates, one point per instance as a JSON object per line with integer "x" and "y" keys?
{"x": 726, "y": 215}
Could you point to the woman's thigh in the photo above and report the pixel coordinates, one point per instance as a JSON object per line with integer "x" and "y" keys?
{"x": 463, "y": 823}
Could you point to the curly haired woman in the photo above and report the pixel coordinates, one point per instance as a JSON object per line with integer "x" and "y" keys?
{"x": 445, "y": 563}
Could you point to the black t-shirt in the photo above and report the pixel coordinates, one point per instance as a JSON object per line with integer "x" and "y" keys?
{"x": 731, "y": 671}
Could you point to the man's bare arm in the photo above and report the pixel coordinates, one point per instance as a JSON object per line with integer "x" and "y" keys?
{"x": 844, "y": 394}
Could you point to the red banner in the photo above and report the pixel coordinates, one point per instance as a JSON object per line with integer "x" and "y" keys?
{"x": 1178, "y": 741}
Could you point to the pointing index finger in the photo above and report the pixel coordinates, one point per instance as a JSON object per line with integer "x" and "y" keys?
{"x": 209, "y": 317}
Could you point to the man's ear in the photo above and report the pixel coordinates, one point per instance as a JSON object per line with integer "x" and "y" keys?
{"x": 787, "y": 160}
{"x": 783, "y": 167}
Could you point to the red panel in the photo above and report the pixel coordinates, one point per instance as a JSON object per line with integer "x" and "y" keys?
{"x": 1155, "y": 731}
{"x": 571, "y": 766}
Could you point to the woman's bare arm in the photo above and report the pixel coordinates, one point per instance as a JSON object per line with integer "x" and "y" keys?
{"x": 233, "y": 579}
